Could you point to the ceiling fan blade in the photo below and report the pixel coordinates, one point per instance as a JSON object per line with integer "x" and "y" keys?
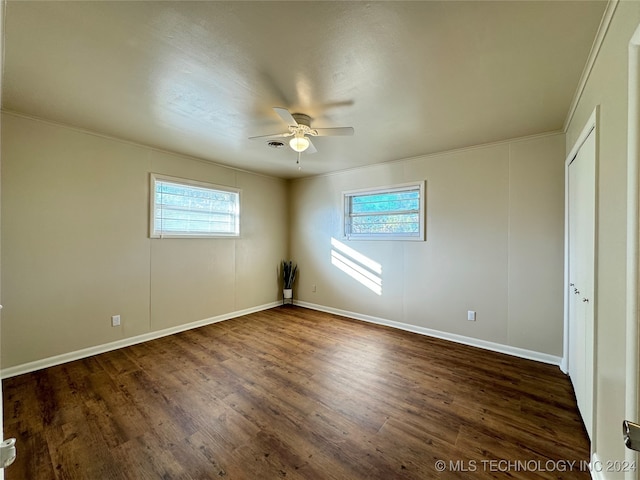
{"x": 310, "y": 148}
{"x": 286, "y": 117}
{"x": 328, "y": 132}
{"x": 273, "y": 135}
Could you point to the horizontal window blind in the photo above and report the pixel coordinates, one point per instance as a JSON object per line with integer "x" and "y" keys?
{"x": 385, "y": 213}
{"x": 193, "y": 209}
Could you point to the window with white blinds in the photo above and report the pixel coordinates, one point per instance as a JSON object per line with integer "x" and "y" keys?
{"x": 188, "y": 208}
{"x": 388, "y": 213}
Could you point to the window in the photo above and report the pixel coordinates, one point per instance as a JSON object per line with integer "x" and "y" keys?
{"x": 390, "y": 213}
{"x": 187, "y": 208}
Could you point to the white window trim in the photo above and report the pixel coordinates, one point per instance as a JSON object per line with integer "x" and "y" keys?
{"x": 154, "y": 177}
{"x": 385, "y": 189}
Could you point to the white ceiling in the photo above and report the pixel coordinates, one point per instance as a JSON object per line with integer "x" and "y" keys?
{"x": 198, "y": 78}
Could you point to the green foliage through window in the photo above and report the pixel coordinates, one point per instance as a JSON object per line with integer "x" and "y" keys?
{"x": 395, "y": 212}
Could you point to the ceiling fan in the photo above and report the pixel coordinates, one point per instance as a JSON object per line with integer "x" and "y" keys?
{"x": 300, "y": 130}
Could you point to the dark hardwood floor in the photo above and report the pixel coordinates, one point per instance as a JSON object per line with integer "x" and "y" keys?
{"x": 297, "y": 394}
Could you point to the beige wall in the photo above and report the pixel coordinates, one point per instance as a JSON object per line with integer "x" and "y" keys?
{"x": 76, "y": 249}
{"x": 495, "y": 218}
{"x": 607, "y": 87}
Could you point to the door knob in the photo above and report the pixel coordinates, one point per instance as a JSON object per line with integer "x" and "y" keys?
{"x": 631, "y": 435}
{"x": 7, "y": 452}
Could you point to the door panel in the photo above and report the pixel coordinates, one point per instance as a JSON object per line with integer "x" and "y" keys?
{"x": 581, "y": 230}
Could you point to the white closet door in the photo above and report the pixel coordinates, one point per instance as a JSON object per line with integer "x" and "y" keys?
{"x": 582, "y": 191}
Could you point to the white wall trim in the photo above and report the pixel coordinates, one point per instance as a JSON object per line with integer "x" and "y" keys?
{"x": 126, "y": 342}
{"x": 474, "y": 342}
{"x": 591, "y": 60}
{"x": 633, "y": 242}
{"x": 3, "y": 9}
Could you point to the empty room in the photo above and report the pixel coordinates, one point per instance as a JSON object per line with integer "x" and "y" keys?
{"x": 320, "y": 240}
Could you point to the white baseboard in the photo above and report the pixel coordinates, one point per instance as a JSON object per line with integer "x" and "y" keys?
{"x": 564, "y": 365}
{"x": 474, "y": 342}
{"x": 126, "y": 342}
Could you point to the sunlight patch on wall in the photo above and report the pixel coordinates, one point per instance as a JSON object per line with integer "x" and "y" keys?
{"x": 361, "y": 268}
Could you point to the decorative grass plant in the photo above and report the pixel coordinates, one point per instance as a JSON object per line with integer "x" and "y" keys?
{"x": 289, "y": 270}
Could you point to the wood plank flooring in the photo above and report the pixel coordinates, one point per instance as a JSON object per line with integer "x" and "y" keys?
{"x": 297, "y": 394}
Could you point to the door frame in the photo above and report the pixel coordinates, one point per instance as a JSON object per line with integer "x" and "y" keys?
{"x": 592, "y": 125}
{"x": 3, "y": 13}
{"x": 633, "y": 238}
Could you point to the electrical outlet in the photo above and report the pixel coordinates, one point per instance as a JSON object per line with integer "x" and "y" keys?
{"x": 471, "y": 315}
{"x": 313, "y": 288}
{"x": 115, "y": 320}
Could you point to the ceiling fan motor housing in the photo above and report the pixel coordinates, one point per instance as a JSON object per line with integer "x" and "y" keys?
{"x": 302, "y": 119}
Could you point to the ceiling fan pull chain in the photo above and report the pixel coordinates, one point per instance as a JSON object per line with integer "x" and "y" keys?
{"x": 298, "y": 162}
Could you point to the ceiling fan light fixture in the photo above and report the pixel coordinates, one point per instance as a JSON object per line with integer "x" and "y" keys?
{"x": 299, "y": 144}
